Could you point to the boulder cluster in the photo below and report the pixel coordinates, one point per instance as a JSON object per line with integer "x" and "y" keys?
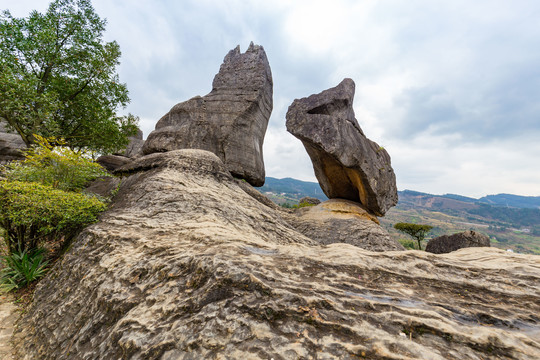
{"x": 191, "y": 262}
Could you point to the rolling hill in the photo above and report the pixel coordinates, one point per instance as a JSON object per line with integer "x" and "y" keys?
{"x": 511, "y": 221}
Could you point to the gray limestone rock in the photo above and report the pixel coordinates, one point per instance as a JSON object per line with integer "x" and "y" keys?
{"x": 448, "y": 243}
{"x": 347, "y": 164}
{"x": 186, "y": 265}
{"x": 11, "y": 144}
{"x": 230, "y": 121}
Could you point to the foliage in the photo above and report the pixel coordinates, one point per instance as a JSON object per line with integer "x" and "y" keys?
{"x": 31, "y": 213}
{"x": 21, "y": 268}
{"x": 58, "y": 78}
{"x": 416, "y": 231}
{"x": 59, "y": 167}
{"x": 407, "y": 244}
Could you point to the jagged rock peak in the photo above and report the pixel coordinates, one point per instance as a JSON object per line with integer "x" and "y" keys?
{"x": 346, "y": 163}
{"x": 230, "y": 121}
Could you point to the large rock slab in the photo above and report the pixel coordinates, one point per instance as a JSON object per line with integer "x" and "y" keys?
{"x": 343, "y": 221}
{"x": 11, "y": 144}
{"x": 186, "y": 265}
{"x": 347, "y": 164}
{"x": 448, "y": 243}
{"x": 230, "y": 121}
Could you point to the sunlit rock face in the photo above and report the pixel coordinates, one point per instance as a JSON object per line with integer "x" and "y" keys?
{"x": 347, "y": 164}
{"x": 230, "y": 121}
{"x": 343, "y": 221}
{"x": 187, "y": 265}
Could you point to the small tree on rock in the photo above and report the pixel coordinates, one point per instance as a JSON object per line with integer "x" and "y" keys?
{"x": 416, "y": 231}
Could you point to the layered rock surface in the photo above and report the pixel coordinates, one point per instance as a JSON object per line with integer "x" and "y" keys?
{"x": 187, "y": 265}
{"x": 448, "y": 243}
{"x": 230, "y": 121}
{"x": 347, "y": 164}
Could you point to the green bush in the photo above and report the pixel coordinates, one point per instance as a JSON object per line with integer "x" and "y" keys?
{"x": 408, "y": 244}
{"x": 416, "y": 231}
{"x": 21, "y": 268}
{"x": 57, "y": 166}
{"x": 31, "y": 213}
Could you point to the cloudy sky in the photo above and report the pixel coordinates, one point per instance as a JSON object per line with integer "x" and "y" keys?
{"x": 451, "y": 88}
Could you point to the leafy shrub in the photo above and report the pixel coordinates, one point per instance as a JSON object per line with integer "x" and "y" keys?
{"x": 31, "y": 213}
{"x": 21, "y": 268}
{"x": 50, "y": 163}
{"x": 408, "y": 244}
{"x": 416, "y": 231}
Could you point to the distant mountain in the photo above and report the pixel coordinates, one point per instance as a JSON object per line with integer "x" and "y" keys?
{"x": 517, "y": 201}
{"x": 460, "y": 198}
{"x": 292, "y": 188}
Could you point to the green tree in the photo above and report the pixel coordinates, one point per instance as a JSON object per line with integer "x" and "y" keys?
{"x": 416, "y": 231}
{"x": 58, "y": 78}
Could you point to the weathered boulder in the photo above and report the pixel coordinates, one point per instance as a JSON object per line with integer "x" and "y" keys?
{"x": 186, "y": 265}
{"x": 112, "y": 162}
{"x": 347, "y": 164}
{"x": 448, "y": 243}
{"x": 343, "y": 221}
{"x": 230, "y": 121}
{"x": 11, "y": 144}
{"x": 134, "y": 148}
{"x": 308, "y": 200}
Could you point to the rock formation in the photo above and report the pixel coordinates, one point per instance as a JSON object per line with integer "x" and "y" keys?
{"x": 112, "y": 162}
{"x": 230, "y": 121}
{"x": 134, "y": 148}
{"x": 347, "y": 164}
{"x": 448, "y": 243}
{"x": 186, "y": 265}
{"x": 343, "y": 221}
{"x": 308, "y": 200}
{"x": 11, "y": 144}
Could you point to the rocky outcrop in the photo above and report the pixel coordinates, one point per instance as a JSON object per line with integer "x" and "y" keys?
{"x": 448, "y": 243}
{"x": 186, "y": 265}
{"x": 112, "y": 162}
{"x": 347, "y": 164}
{"x": 230, "y": 121}
{"x": 343, "y": 221}
{"x": 117, "y": 160}
{"x": 308, "y": 200}
{"x": 134, "y": 148}
{"x": 11, "y": 144}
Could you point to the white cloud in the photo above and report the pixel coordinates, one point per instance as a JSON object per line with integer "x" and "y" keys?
{"x": 461, "y": 76}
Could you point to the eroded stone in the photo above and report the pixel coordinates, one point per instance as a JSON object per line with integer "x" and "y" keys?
{"x": 347, "y": 164}
{"x": 230, "y": 121}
